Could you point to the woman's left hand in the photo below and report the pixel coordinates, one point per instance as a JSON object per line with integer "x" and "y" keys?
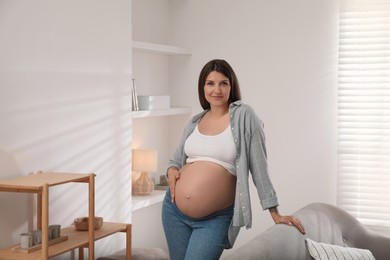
{"x": 288, "y": 220}
{"x": 291, "y": 221}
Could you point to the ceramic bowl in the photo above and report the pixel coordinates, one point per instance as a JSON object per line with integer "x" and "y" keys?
{"x": 81, "y": 223}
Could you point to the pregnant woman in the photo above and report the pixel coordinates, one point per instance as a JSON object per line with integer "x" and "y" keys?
{"x": 208, "y": 197}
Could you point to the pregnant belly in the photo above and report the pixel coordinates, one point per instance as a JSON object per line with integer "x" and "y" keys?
{"x": 204, "y": 188}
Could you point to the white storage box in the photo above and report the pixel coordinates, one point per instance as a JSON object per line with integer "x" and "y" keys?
{"x": 153, "y": 102}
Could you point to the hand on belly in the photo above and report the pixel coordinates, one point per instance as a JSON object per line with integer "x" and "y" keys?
{"x": 204, "y": 188}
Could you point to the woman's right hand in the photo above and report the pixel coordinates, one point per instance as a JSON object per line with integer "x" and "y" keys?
{"x": 173, "y": 176}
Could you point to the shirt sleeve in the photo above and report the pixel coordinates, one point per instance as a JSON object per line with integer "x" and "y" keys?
{"x": 258, "y": 164}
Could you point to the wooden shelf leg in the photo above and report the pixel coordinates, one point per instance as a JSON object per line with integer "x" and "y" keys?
{"x": 39, "y": 211}
{"x": 39, "y": 208}
{"x": 45, "y": 222}
{"x": 128, "y": 242}
{"x": 91, "y": 222}
{"x": 81, "y": 253}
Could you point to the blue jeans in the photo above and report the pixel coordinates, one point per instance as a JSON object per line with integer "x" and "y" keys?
{"x": 200, "y": 238}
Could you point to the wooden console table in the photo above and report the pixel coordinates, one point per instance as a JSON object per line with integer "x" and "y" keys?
{"x": 39, "y": 183}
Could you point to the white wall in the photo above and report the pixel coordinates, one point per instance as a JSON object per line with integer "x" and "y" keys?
{"x": 285, "y": 55}
{"x": 65, "y": 75}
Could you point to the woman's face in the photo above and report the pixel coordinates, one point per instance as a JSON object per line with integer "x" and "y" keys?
{"x": 217, "y": 89}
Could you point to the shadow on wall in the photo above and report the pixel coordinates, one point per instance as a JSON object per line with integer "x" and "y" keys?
{"x": 16, "y": 208}
{"x": 50, "y": 123}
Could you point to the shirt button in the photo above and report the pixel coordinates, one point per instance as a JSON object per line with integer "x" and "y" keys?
{"x": 235, "y": 140}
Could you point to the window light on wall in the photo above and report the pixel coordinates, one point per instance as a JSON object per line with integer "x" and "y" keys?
{"x": 364, "y": 111}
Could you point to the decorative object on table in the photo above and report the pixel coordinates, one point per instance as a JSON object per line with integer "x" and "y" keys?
{"x": 81, "y": 223}
{"x": 163, "y": 185}
{"x": 50, "y": 232}
{"x": 33, "y": 248}
{"x": 144, "y": 161}
{"x": 32, "y": 241}
{"x": 54, "y": 231}
{"x": 153, "y": 102}
{"x": 134, "y": 96}
{"x": 26, "y": 240}
{"x": 37, "y": 237}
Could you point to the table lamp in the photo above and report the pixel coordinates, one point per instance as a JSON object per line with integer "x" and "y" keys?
{"x": 144, "y": 161}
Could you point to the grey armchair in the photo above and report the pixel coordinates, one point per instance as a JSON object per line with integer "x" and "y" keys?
{"x": 323, "y": 223}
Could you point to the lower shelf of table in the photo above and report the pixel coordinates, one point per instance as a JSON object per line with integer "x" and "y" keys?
{"x": 76, "y": 239}
{"x": 38, "y": 247}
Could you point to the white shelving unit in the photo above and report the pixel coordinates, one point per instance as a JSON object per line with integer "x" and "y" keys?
{"x": 161, "y": 112}
{"x": 140, "y": 202}
{"x": 159, "y": 66}
{"x": 167, "y": 50}
{"x": 159, "y": 48}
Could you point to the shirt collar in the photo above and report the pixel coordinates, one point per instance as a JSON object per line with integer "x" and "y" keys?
{"x": 197, "y": 117}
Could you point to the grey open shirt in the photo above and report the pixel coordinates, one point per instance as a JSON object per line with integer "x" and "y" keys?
{"x": 248, "y": 134}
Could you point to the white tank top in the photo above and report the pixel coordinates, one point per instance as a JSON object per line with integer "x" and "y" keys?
{"x": 218, "y": 149}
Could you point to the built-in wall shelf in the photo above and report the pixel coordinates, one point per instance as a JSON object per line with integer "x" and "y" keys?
{"x": 139, "y": 202}
{"x": 159, "y": 48}
{"x": 162, "y": 112}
